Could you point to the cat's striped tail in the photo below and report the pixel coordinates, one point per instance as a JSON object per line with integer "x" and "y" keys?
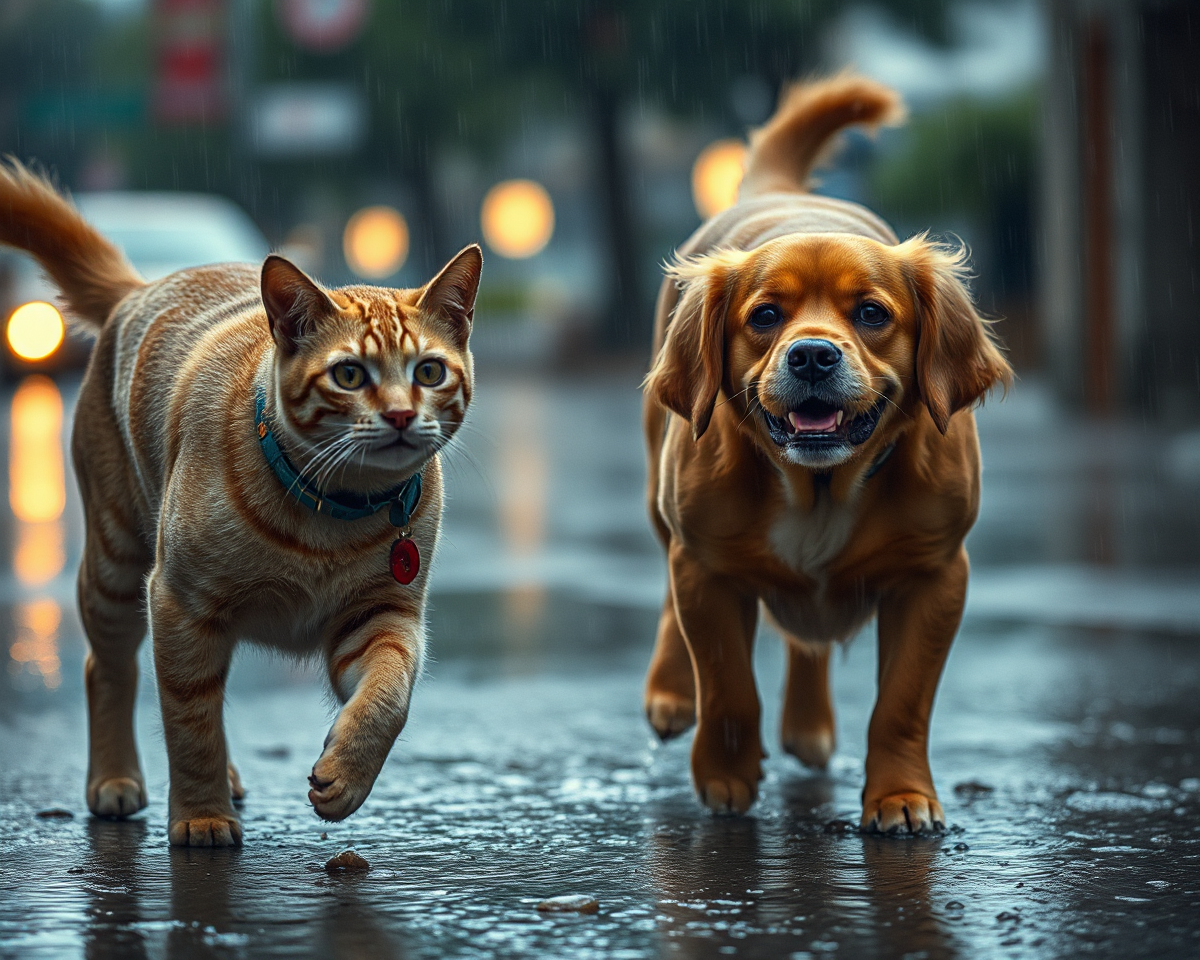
{"x": 91, "y": 272}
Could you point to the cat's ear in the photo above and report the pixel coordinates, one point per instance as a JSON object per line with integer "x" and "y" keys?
{"x": 451, "y": 294}
{"x": 294, "y": 303}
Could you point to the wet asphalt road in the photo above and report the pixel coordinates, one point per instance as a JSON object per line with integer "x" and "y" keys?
{"x": 1066, "y": 740}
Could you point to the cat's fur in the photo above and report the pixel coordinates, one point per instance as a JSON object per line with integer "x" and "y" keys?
{"x": 189, "y": 528}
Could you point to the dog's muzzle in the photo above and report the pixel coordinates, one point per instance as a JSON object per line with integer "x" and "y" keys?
{"x": 820, "y": 396}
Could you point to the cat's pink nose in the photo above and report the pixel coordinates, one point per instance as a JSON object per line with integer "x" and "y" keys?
{"x": 400, "y": 418}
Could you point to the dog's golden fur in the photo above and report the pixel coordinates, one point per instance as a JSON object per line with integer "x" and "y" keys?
{"x": 822, "y": 528}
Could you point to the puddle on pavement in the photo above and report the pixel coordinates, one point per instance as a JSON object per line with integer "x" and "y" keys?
{"x": 1074, "y": 821}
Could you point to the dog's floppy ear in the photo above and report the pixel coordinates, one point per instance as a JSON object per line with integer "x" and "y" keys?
{"x": 957, "y": 359}
{"x": 690, "y": 367}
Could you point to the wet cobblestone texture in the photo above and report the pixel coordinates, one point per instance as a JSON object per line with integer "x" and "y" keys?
{"x": 1066, "y": 740}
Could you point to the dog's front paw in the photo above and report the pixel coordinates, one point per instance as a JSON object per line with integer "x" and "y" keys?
{"x": 669, "y": 714}
{"x": 727, "y": 795}
{"x": 903, "y": 814}
{"x": 220, "y": 831}
{"x": 726, "y": 783}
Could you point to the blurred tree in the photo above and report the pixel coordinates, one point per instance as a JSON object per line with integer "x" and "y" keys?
{"x": 602, "y": 56}
{"x": 973, "y": 159}
{"x": 429, "y": 81}
{"x": 681, "y": 55}
{"x": 975, "y": 162}
{"x": 47, "y": 63}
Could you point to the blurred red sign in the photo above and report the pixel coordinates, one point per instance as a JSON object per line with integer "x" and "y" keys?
{"x": 322, "y": 25}
{"x": 190, "y": 37}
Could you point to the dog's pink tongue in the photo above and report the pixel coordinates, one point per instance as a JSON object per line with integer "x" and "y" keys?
{"x": 803, "y": 423}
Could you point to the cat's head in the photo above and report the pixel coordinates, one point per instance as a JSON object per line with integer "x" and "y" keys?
{"x": 370, "y": 381}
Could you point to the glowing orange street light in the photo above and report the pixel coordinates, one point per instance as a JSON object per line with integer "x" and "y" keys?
{"x": 517, "y": 218}
{"x": 375, "y": 242}
{"x": 716, "y": 176}
{"x": 35, "y": 330}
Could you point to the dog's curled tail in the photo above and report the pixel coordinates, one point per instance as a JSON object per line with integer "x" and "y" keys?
{"x": 91, "y": 272}
{"x": 784, "y": 151}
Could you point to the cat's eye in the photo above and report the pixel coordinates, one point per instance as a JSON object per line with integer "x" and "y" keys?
{"x": 349, "y": 376}
{"x": 430, "y": 373}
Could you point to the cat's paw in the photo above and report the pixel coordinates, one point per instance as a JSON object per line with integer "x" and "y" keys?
{"x": 335, "y": 792}
{"x": 116, "y": 797}
{"x": 224, "y": 831}
{"x": 236, "y": 791}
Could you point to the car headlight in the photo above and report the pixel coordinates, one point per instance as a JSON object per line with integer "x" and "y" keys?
{"x": 35, "y": 330}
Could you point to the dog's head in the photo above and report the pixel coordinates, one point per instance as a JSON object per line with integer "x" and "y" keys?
{"x": 818, "y": 339}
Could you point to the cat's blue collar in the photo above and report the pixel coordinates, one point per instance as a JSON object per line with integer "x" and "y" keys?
{"x": 402, "y": 499}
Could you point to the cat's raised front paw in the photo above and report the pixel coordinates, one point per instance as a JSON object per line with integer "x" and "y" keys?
{"x": 334, "y": 793}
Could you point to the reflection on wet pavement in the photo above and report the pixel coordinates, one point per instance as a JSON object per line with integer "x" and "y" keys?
{"x": 37, "y": 496}
{"x": 1066, "y": 746}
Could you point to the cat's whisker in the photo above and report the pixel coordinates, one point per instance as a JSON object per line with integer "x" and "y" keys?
{"x": 331, "y": 453}
{"x": 321, "y": 449}
{"x": 334, "y": 459}
{"x": 339, "y": 465}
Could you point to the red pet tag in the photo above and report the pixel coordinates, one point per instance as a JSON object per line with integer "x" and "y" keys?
{"x": 406, "y": 560}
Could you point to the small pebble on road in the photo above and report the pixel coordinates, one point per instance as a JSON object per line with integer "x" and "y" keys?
{"x": 346, "y": 861}
{"x": 570, "y": 903}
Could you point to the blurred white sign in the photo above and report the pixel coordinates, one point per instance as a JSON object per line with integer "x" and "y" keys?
{"x": 305, "y": 119}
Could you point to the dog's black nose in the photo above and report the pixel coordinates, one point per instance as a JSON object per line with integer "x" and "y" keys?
{"x": 813, "y": 360}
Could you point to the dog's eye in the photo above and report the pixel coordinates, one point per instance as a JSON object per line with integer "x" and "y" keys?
{"x": 765, "y": 316}
{"x": 872, "y": 314}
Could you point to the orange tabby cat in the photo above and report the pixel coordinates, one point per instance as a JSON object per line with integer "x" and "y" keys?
{"x": 245, "y": 443}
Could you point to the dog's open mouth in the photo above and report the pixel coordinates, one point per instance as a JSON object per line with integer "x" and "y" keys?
{"x": 816, "y": 422}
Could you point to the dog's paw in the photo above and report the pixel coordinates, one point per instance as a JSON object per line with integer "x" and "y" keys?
{"x": 903, "y": 814}
{"x": 669, "y": 714}
{"x": 223, "y": 831}
{"x": 727, "y": 795}
{"x": 727, "y": 765}
{"x": 116, "y": 797}
{"x": 813, "y": 748}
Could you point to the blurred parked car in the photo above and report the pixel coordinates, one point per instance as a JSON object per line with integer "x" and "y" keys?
{"x": 159, "y": 232}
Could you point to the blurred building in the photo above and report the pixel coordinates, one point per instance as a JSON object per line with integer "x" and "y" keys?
{"x": 1120, "y": 210}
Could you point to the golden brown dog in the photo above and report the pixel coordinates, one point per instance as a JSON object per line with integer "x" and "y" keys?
{"x": 812, "y": 451}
